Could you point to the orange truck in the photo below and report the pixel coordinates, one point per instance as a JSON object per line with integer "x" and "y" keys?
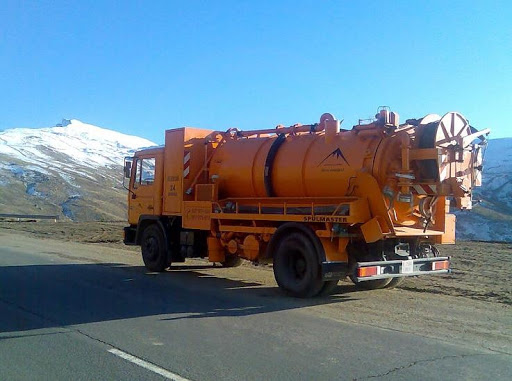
{"x": 319, "y": 202}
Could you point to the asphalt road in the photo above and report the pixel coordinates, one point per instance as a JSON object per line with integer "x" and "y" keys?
{"x": 65, "y": 318}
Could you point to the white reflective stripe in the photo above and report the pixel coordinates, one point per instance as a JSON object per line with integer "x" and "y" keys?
{"x": 442, "y": 175}
{"x": 419, "y": 189}
{"x": 147, "y": 365}
{"x": 186, "y": 157}
{"x": 425, "y": 189}
{"x": 186, "y": 171}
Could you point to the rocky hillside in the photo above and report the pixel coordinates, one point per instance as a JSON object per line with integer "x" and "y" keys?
{"x": 73, "y": 170}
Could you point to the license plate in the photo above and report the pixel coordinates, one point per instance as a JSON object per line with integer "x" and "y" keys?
{"x": 407, "y": 266}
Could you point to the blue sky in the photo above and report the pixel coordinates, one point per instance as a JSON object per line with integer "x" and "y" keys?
{"x": 141, "y": 67}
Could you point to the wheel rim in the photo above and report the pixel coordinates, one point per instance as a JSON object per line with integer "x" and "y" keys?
{"x": 151, "y": 248}
{"x": 297, "y": 265}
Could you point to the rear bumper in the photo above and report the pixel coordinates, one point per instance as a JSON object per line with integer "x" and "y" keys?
{"x": 387, "y": 269}
{"x": 398, "y": 268}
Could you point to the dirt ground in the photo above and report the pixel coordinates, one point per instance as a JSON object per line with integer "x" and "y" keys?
{"x": 480, "y": 270}
{"x": 472, "y": 303}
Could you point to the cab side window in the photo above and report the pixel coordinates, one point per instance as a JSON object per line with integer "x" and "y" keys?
{"x": 145, "y": 172}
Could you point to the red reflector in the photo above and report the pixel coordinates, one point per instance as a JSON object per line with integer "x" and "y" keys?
{"x": 367, "y": 271}
{"x": 441, "y": 265}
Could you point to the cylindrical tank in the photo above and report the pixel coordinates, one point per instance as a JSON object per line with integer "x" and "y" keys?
{"x": 301, "y": 165}
{"x": 319, "y": 164}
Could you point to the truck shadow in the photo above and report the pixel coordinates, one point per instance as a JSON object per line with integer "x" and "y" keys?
{"x": 61, "y": 295}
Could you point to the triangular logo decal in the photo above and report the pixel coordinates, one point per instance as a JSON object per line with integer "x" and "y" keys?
{"x": 335, "y": 154}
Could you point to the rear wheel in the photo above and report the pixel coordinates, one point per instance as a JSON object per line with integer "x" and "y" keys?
{"x": 328, "y": 287}
{"x": 370, "y": 284}
{"x": 154, "y": 249}
{"x": 365, "y": 253}
{"x": 367, "y": 284}
{"x": 395, "y": 282}
{"x": 296, "y": 266}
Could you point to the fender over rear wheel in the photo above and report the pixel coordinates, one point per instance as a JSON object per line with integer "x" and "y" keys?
{"x": 154, "y": 249}
{"x": 296, "y": 266}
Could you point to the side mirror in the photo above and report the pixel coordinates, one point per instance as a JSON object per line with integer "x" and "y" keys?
{"x": 127, "y": 169}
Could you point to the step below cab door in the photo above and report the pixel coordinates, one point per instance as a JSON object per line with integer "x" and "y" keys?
{"x": 145, "y": 197}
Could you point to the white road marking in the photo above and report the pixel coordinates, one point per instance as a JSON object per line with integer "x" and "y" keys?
{"x": 147, "y": 365}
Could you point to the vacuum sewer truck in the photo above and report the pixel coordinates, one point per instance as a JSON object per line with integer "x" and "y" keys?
{"x": 319, "y": 202}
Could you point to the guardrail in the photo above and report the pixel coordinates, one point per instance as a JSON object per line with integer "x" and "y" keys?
{"x": 29, "y": 216}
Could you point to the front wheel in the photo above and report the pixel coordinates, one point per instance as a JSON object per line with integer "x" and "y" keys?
{"x": 154, "y": 249}
{"x": 296, "y": 266}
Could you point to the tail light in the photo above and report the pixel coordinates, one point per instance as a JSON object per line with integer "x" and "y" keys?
{"x": 440, "y": 265}
{"x": 367, "y": 271}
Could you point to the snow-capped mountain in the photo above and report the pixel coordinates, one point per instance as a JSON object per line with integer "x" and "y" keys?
{"x": 492, "y": 219}
{"x": 84, "y": 144}
{"x": 73, "y": 169}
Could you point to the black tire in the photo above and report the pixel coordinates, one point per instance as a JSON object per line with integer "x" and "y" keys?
{"x": 296, "y": 265}
{"x": 328, "y": 287}
{"x": 380, "y": 283}
{"x": 232, "y": 261}
{"x": 368, "y": 284}
{"x": 395, "y": 282}
{"x": 154, "y": 249}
